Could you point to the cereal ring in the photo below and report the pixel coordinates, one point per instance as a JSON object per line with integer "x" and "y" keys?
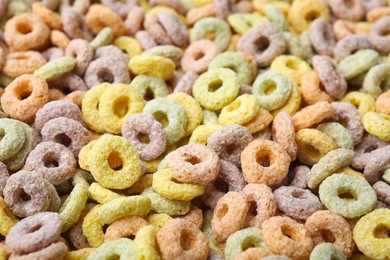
{"x": 8, "y": 220}
{"x": 364, "y": 102}
{"x": 358, "y": 63}
{"x": 93, "y": 227}
{"x": 264, "y": 162}
{"x": 377, "y": 35}
{"x": 350, "y": 44}
{"x": 262, "y": 119}
{"x": 56, "y": 250}
{"x": 171, "y": 115}
{"x": 52, "y": 19}
{"x": 291, "y": 66}
{"x": 243, "y": 22}
{"x": 76, "y": 235}
{"x": 95, "y": 21}
{"x": 312, "y": 115}
{"x": 68, "y": 83}
{"x": 90, "y": 107}
{"x": 56, "y": 68}
{"x": 229, "y": 215}
{"x": 284, "y": 235}
{"x": 368, "y": 236}
{"x": 174, "y": 28}
{"x": 242, "y": 110}
{"x": 145, "y": 243}
{"x": 195, "y": 216}
{"x": 19, "y": 63}
{"x": 283, "y": 133}
{"x": 229, "y": 141}
{"x": 13, "y": 138}
{"x": 264, "y": 42}
{"x": 111, "y": 51}
{"x": 128, "y": 45}
{"x": 382, "y": 190}
{"x": 375, "y": 78}
{"x": 158, "y": 220}
{"x": 167, "y": 51}
{"x": 327, "y": 249}
{"x": 280, "y": 86}
{"x": 24, "y": 97}
{"x": 124, "y": 227}
{"x": 322, "y": 37}
{"x": 122, "y": 248}
{"x": 103, "y": 38}
{"x": 145, "y": 39}
{"x": 101, "y": 194}
{"x": 369, "y": 144}
{"x": 59, "y": 39}
{"x": 299, "y": 176}
{"x": 153, "y": 65}
{"x": 292, "y": 104}
{"x": 26, "y": 32}
{"x": 4, "y": 174}
{"x": 150, "y": 87}
{"x": 82, "y": 51}
{"x": 110, "y": 178}
{"x": 338, "y": 133}
{"x": 333, "y": 187}
{"x": 198, "y": 56}
{"x": 216, "y": 88}
{"x": 353, "y": 11}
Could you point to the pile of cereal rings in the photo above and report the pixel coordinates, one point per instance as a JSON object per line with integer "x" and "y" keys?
{"x": 194, "y": 129}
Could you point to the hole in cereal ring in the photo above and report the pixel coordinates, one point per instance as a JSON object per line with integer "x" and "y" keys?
{"x": 215, "y": 85}
{"x": 34, "y": 228}
{"x": 50, "y": 162}
{"x": 24, "y": 94}
{"x": 143, "y": 138}
{"x": 297, "y": 194}
{"x": 63, "y": 139}
{"x": 66, "y": 90}
{"x": 385, "y": 32}
{"x": 312, "y": 15}
{"x": 231, "y": 148}
{"x": 262, "y": 44}
{"x": 292, "y": 65}
{"x": 2, "y": 133}
{"x": 114, "y": 256}
{"x": 346, "y": 195}
{"x": 252, "y": 209}
{"x": 24, "y": 196}
{"x": 120, "y": 106}
{"x": 382, "y": 232}
{"x": 245, "y": 246}
{"x": 221, "y": 185}
{"x": 105, "y": 75}
{"x": 186, "y": 240}
{"x": 162, "y": 118}
{"x": 270, "y": 87}
{"x": 24, "y": 28}
{"x": 309, "y": 149}
{"x": 221, "y": 211}
{"x": 370, "y": 148}
{"x": 286, "y": 230}
{"x": 149, "y": 95}
{"x": 192, "y": 159}
{"x": 210, "y": 36}
{"x": 328, "y": 236}
{"x": 264, "y": 161}
{"x": 114, "y": 161}
{"x": 198, "y": 55}
{"x": 132, "y": 237}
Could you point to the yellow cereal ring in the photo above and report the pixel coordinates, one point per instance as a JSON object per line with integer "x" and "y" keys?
{"x": 7, "y": 219}
{"x": 101, "y": 170}
{"x": 243, "y": 22}
{"x": 259, "y": 5}
{"x": 100, "y": 194}
{"x": 158, "y": 220}
{"x": 201, "y": 2}
{"x": 145, "y": 243}
{"x": 192, "y": 110}
{"x": 377, "y": 124}
{"x": 202, "y": 133}
{"x": 242, "y": 110}
{"x": 93, "y": 227}
{"x": 164, "y": 185}
{"x": 89, "y": 107}
{"x": 80, "y": 254}
{"x": 349, "y": 171}
{"x": 144, "y": 182}
{"x": 371, "y": 234}
{"x": 261, "y": 120}
{"x": 292, "y": 104}
{"x": 124, "y": 206}
{"x": 313, "y": 145}
{"x": 364, "y": 102}
{"x": 128, "y": 44}
{"x": 291, "y": 66}
{"x": 148, "y": 64}
{"x": 116, "y": 105}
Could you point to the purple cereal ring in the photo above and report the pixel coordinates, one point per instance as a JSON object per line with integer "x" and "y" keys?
{"x": 156, "y": 30}
{"x": 382, "y": 190}
{"x": 363, "y": 150}
{"x": 350, "y": 44}
{"x": 352, "y": 10}
{"x": 74, "y": 24}
{"x": 322, "y": 37}
{"x": 110, "y": 51}
{"x": 195, "y": 164}
{"x": 76, "y": 235}
{"x": 229, "y": 141}
{"x": 121, "y": 7}
{"x": 371, "y": 4}
{"x": 82, "y": 51}
{"x": 34, "y": 233}
{"x": 377, "y": 162}
{"x": 68, "y": 132}
{"x": 53, "y": 53}
{"x": 54, "y": 161}
{"x": 296, "y": 202}
{"x": 198, "y": 56}
{"x": 26, "y": 193}
{"x": 330, "y": 76}
{"x": 379, "y": 36}
{"x": 263, "y": 42}
{"x": 229, "y": 178}
{"x": 145, "y": 39}
{"x": 299, "y": 175}
{"x": 175, "y": 29}
{"x": 56, "y": 250}
{"x": 54, "y": 109}
{"x": 4, "y": 175}
{"x": 146, "y": 134}
{"x": 222, "y": 8}
{"x": 68, "y": 83}
{"x": 185, "y": 83}
{"x": 174, "y": 4}
{"x": 134, "y": 20}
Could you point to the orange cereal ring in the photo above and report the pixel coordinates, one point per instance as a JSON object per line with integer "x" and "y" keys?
{"x": 311, "y": 115}
{"x": 24, "y": 97}
{"x": 312, "y": 89}
{"x": 264, "y": 162}
{"x": 382, "y": 104}
{"x": 59, "y": 39}
{"x": 52, "y": 19}
{"x": 26, "y": 31}
{"x": 100, "y": 17}
{"x": 124, "y": 227}
{"x": 261, "y": 120}
{"x": 19, "y": 63}
{"x": 283, "y": 133}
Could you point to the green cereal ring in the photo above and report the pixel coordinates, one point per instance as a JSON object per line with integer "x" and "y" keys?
{"x": 212, "y": 25}
{"x": 12, "y": 138}
{"x": 377, "y": 124}
{"x": 272, "y": 89}
{"x": 216, "y": 88}
{"x": 56, "y": 67}
{"x": 90, "y": 105}
{"x": 364, "y": 102}
{"x": 116, "y": 105}
{"x": 171, "y": 115}
{"x": 371, "y": 234}
{"x": 150, "y": 86}
{"x": 104, "y": 37}
{"x": 375, "y": 79}
{"x": 328, "y": 165}
{"x": 101, "y": 170}
{"x": 164, "y": 184}
{"x": 166, "y": 206}
{"x": 100, "y": 194}
{"x": 326, "y": 251}
{"x": 209, "y": 117}
{"x": 236, "y": 62}
{"x": 243, "y": 22}
{"x": 242, "y": 110}
{"x": 239, "y": 241}
{"x": 145, "y": 243}
{"x": 167, "y": 51}
{"x": 93, "y": 227}
{"x": 336, "y": 185}
{"x": 71, "y": 209}
{"x": 122, "y": 248}
{"x": 124, "y": 206}
{"x": 275, "y": 15}
{"x": 16, "y": 162}
{"x": 358, "y": 63}
{"x": 338, "y": 133}
{"x": 191, "y": 108}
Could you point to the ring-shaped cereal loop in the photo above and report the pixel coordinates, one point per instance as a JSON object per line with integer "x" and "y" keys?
{"x": 375, "y": 78}
{"x": 264, "y": 162}
{"x": 56, "y": 250}
{"x": 93, "y": 227}
{"x": 212, "y": 24}
{"x": 122, "y": 248}
{"x": 382, "y": 104}
{"x": 338, "y": 184}
{"x": 145, "y": 243}
{"x": 358, "y": 63}
{"x": 171, "y": 115}
{"x": 377, "y": 124}
{"x": 7, "y": 219}
{"x": 216, "y": 88}
{"x": 149, "y": 64}
{"x": 116, "y": 105}
{"x": 13, "y": 138}
{"x": 338, "y": 133}
{"x": 100, "y": 194}
{"x": 291, "y": 66}
{"x": 292, "y": 104}
{"x": 164, "y": 184}
{"x": 364, "y": 102}
{"x": 272, "y": 80}
{"x": 150, "y": 86}
{"x": 366, "y": 234}
{"x": 101, "y": 170}
{"x": 327, "y": 249}
{"x": 124, "y": 227}
{"x": 242, "y": 110}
